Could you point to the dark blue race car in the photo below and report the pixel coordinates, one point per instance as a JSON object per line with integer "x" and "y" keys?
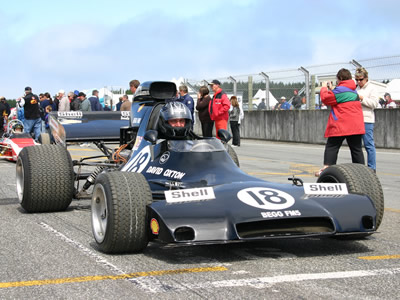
{"x": 185, "y": 190}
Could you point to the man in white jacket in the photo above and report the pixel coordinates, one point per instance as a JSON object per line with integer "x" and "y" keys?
{"x": 369, "y": 101}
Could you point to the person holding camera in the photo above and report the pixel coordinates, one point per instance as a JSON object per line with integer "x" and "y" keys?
{"x": 346, "y": 120}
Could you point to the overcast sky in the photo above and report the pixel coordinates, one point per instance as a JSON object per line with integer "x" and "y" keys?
{"x": 52, "y": 45}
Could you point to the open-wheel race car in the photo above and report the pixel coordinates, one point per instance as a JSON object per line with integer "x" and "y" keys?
{"x": 188, "y": 190}
{"x": 15, "y": 139}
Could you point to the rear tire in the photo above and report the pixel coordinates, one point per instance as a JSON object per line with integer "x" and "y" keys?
{"x": 119, "y": 212}
{"x": 45, "y": 178}
{"x": 359, "y": 180}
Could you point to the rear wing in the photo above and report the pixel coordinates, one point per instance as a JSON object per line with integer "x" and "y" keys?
{"x": 78, "y": 126}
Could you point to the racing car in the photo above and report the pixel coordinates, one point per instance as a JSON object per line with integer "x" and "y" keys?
{"x": 14, "y": 140}
{"x": 190, "y": 190}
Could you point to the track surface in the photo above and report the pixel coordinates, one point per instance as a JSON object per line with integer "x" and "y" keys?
{"x": 53, "y": 256}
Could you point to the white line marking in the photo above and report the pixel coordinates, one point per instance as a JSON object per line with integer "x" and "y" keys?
{"x": 101, "y": 260}
{"x": 266, "y": 282}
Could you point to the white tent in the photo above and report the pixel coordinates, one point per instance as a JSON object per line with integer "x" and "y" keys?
{"x": 257, "y": 98}
{"x": 393, "y": 88}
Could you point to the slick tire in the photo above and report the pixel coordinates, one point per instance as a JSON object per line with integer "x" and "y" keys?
{"x": 45, "y": 178}
{"x": 44, "y": 139}
{"x": 233, "y": 155}
{"x": 119, "y": 212}
{"x": 359, "y": 180}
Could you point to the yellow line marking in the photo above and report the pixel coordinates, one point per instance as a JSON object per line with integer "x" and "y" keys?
{"x": 108, "y": 277}
{"x": 392, "y": 210}
{"x": 380, "y": 257}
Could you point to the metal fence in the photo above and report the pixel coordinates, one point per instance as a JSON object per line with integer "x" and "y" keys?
{"x": 277, "y": 83}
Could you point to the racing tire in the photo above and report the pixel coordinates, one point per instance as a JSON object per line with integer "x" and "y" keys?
{"x": 119, "y": 212}
{"x": 359, "y": 180}
{"x": 45, "y": 178}
{"x": 233, "y": 155}
{"x": 44, "y": 139}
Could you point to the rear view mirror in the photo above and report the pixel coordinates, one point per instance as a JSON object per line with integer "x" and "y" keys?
{"x": 151, "y": 136}
{"x": 224, "y": 135}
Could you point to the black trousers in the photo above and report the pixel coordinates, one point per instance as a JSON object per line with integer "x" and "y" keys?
{"x": 235, "y": 133}
{"x": 334, "y": 143}
{"x": 207, "y": 128}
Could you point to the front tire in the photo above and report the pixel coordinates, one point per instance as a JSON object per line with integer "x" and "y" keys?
{"x": 359, "y": 180}
{"x": 119, "y": 212}
{"x": 45, "y": 178}
{"x": 232, "y": 154}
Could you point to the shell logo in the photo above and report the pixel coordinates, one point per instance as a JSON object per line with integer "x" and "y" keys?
{"x": 155, "y": 228}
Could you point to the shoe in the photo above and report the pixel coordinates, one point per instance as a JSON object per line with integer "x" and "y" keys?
{"x": 234, "y": 146}
{"x": 318, "y": 173}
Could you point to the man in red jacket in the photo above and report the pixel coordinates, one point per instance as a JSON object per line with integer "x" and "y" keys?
{"x": 219, "y": 107}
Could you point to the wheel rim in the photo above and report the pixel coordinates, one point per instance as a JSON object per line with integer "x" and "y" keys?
{"x": 20, "y": 180}
{"x": 99, "y": 213}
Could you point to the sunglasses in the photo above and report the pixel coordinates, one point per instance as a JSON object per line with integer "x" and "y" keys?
{"x": 360, "y": 79}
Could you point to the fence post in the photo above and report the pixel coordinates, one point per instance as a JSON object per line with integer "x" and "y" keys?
{"x": 311, "y": 104}
{"x": 234, "y": 85}
{"x": 307, "y": 81}
{"x": 250, "y": 93}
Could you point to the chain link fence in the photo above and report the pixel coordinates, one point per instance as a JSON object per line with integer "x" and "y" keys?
{"x": 274, "y": 84}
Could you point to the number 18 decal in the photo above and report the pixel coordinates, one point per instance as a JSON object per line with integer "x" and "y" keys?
{"x": 139, "y": 162}
{"x": 266, "y": 198}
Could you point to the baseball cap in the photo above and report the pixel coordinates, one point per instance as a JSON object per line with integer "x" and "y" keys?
{"x": 61, "y": 92}
{"x": 28, "y": 89}
{"x": 283, "y": 98}
{"x": 76, "y": 92}
{"x": 215, "y": 81}
{"x": 81, "y": 94}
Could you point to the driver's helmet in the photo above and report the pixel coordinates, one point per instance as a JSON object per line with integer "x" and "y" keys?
{"x": 174, "y": 110}
{"x": 17, "y": 128}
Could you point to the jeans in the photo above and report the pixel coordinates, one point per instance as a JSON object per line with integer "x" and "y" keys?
{"x": 33, "y": 126}
{"x": 369, "y": 145}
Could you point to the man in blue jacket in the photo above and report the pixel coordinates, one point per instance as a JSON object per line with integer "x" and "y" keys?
{"x": 94, "y": 101}
{"x": 186, "y": 99}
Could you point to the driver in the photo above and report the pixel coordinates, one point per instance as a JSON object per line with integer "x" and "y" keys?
{"x": 175, "y": 121}
{"x": 17, "y": 128}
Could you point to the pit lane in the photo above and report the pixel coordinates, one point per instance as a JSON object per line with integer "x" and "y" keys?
{"x": 53, "y": 255}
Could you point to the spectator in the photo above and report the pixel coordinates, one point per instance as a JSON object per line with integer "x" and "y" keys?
{"x": 346, "y": 120}
{"x": 285, "y": 105}
{"x": 303, "y": 103}
{"x": 234, "y": 115}
{"x": 5, "y": 103}
{"x": 48, "y": 101}
{"x": 186, "y": 99}
{"x": 64, "y": 101}
{"x": 369, "y": 101}
{"x": 3, "y": 111}
{"x": 106, "y": 107}
{"x": 296, "y": 102}
{"x": 75, "y": 101}
{"x": 48, "y": 109}
{"x": 126, "y": 104}
{"x": 33, "y": 121}
{"x": 95, "y": 102}
{"x": 133, "y": 85}
{"x": 203, "y": 101}
{"x": 118, "y": 106}
{"x": 85, "y": 103}
{"x": 219, "y": 107}
{"x": 262, "y": 105}
{"x": 389, "y": 102}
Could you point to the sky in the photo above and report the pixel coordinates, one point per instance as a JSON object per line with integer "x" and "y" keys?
{"x": 52, "y": 45}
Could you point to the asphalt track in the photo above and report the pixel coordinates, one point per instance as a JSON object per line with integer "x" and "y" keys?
{"x": 53, "y": 255}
